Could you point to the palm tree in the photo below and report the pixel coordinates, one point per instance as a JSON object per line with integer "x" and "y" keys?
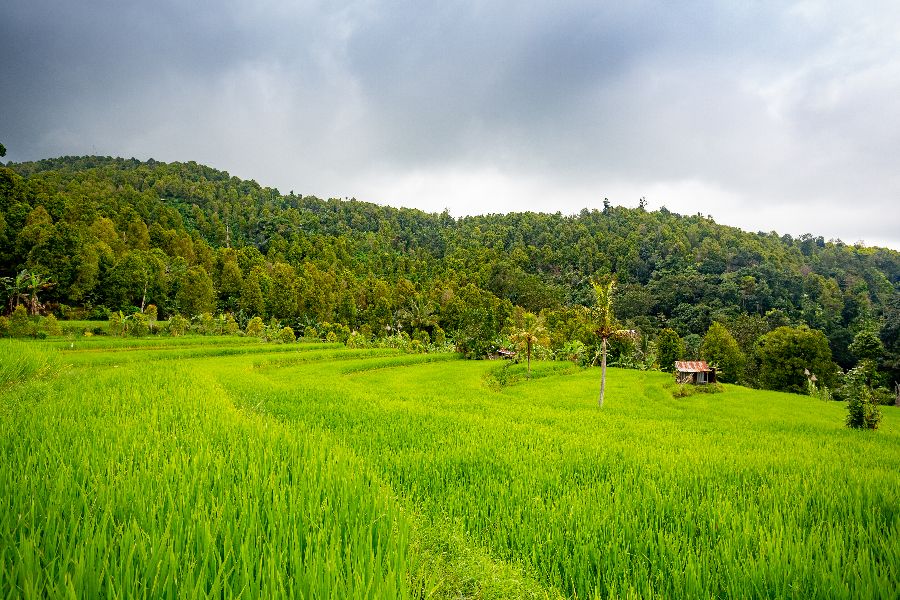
{"x": 603, "y": 321}
{"x": 528, "y": 331}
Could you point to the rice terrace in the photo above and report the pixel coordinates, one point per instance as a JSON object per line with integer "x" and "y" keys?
{"x": 231, "y": 467}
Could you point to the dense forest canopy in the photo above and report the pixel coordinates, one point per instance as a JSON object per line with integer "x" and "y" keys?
{"x": 109, "y": 234}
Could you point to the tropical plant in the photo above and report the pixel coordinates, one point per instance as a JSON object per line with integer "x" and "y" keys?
{"x": 603, "y": 321}
{"x": 527, "y": 331}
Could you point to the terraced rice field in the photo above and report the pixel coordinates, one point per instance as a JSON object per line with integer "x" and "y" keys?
{"x": 226, "y": 467}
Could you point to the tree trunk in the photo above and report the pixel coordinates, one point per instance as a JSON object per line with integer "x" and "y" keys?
{"x": 602, "y": 374}
{"x": 529, "y": 360}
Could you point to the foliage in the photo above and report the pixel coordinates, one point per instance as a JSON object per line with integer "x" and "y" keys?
{"x": 720, "y": 349}
{"x": 669, "y": 348}
{"x": 786, "y": 353}
{"x": 685, "y": 390}
{"x": 286, "y": 336}
{"x": 139, "y": 326}
{"x": 862, "y": 407}
{"x": 116, "y": 323}
{"x": 867, "y": 345}
{"x": 231, "y": 325}
{"x": 527, "y": 330}
{"x": 603, "y": 321}
{"x": 104, "y": 235}
{"x": 178, "y": 325}
{"x": 255, "y": 327}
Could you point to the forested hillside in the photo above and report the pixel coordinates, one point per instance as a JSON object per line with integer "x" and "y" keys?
{"x": 106, "y": 234}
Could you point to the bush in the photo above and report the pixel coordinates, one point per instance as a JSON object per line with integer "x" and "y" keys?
{"x": 51, "y": 326}
{"x": 255, "y": 327}
{"x": 286, "y": 336}
{"x": 116, "y": 323}
{"x": 357, "y": 340}
{"x": 862, "y": 408}
{"x": 139, "y": 325}
{"x": 231, "y": 325}
{"x": 19, "y": 325}
{"x": 207, "y": 324}
{"x": 177, "y": 325}
{"x": 684, "y": 390}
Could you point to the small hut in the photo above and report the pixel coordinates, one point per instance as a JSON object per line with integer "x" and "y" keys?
{"x": 696, "y": 372}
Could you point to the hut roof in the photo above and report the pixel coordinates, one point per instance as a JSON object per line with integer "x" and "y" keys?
{"x": 692, "y": 366}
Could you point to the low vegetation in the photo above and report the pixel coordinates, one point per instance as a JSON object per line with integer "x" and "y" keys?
{"x": 223, "y": 466}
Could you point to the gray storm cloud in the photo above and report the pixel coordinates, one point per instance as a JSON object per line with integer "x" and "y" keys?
{"x": 768, "y": 117}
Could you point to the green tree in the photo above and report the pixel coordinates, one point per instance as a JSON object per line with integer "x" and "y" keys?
{"x": 867, "y": 345}
{"x": 787, "y": 352}
{"x": 669, "y": 348}
{"x": 603, "y": 321}
{"x": 252, "y": 302}
{"x": 231, "y": 283}
{"x": 720, "y": 349}
{"x": 196, "y": 294}
{"x": 282, "y": 302}
{"x": 528, "y": 330}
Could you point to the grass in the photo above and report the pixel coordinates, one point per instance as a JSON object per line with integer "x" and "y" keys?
{"x": 252, "y": 470}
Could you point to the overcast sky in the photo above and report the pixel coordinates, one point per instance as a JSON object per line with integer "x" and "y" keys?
{"x": 766, "y": 115}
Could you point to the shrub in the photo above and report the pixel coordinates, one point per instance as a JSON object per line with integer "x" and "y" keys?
{"x": 684, "y": 390}
{"x": 139, "y": 325}
{"x": 116, "y": 323}
{"x": 231, "y": 325}
{"x": 208, "y": 325}
{"x": 286, "y": 336}
{"x": 357, "y": 340}
{"x": 255, "y": 327}
{"x": 4, "y": 326}
{"x": 177, "y": 325}
{"x": 19, "y": 325}
{"x": 862, "y": 408}
{"x": 152, "y": 315}
{"x": 51, "y": 325}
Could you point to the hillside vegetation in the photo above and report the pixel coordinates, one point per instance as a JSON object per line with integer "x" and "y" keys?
{"x": 105, "y": 235}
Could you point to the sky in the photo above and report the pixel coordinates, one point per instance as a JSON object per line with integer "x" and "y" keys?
{"x": 769, "y": 116}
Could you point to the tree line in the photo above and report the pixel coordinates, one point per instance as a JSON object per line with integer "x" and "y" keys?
{"x": 105, "y": 235}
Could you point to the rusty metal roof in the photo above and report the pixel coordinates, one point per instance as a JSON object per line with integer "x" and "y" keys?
{"x": 692, "y": 366}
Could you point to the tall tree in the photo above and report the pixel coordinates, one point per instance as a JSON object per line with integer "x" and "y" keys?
{"x": 528, "y": 330}
{"x": 787, "y": 352}
{"x": 669, "y": 348}
{"x": 720, "y": 349}
{"x": 603, "y": 320}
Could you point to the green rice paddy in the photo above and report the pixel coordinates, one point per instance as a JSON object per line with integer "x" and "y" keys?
{"x": 226, "y": 467}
